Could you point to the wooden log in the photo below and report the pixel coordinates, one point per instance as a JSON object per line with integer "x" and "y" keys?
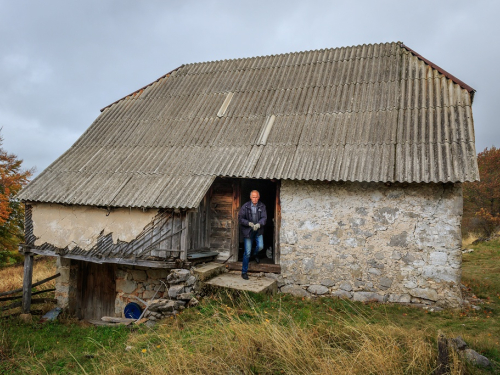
{"x": 34, "y": 301}
{"x": 27, "y": 282}
{"x": 253, "y": 267}
{"x": 112, "y": 319}
{"x": 35, "y": 284}
{"x": 33, "y": 294}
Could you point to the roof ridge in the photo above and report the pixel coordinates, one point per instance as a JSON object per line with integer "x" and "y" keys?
{"x": 440, "y": 70}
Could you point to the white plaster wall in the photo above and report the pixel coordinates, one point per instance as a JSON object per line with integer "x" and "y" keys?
{"x": 363, "y": 241}
{"x": 80, "y": 226}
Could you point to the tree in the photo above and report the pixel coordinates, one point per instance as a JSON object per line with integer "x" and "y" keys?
{"x": 12, "y": 179}
{"x": 482, "y": 199}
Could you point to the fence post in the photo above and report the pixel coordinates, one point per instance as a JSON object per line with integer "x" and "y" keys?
{"x": 27, "y": 281}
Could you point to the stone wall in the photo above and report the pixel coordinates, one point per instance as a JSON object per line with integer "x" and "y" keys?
{"x": 65, "y": 293}
{"x": 178, "y": 290}
{"x": 371, "y": 241}
{"x": 144, "y": 282}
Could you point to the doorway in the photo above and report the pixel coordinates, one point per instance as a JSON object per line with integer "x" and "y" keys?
{"x": 268, "y": 195}
{"x": 96, "y": 290}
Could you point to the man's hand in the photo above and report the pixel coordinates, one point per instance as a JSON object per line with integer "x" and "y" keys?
{"x": 256, "y": 227}
{"x": 251, "y": 225}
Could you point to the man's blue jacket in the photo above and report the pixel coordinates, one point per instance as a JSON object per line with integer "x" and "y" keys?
{"x": 245, "y": 217}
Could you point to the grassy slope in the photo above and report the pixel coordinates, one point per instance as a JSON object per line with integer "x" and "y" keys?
{"x": 280, "y": 334}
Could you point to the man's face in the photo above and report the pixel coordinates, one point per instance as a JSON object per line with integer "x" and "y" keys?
{"x": 254, "y": 197}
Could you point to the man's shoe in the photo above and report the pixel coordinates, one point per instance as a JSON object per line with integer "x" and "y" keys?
{"x": 257, "y": 260}
{"x": 244, "y": 276}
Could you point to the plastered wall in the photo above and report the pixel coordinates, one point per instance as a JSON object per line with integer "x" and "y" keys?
{"x": 370, "y": 241}
{"x": 71, "y": 226}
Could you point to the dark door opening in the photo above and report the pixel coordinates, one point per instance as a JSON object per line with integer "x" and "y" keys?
{"x": 96, "y": 290}
{"x": 267, "y": 191}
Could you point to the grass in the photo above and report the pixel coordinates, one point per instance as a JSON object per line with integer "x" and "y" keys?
{"x": 269, "y": 335}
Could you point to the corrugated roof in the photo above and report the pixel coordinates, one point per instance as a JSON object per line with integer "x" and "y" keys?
{"x": 367, "y": 113}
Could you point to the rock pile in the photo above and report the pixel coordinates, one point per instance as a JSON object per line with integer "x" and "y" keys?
{"x": 180, "y": 293}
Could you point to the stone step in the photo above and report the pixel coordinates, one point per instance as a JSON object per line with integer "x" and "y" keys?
{"x": 208, "y": 270}
{"x": 254, "y": 284}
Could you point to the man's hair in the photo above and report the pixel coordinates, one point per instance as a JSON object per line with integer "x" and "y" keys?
{"x": 255, "y": 191}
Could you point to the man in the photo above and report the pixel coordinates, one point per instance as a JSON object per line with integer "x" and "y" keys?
{"x": 252, "y": 218}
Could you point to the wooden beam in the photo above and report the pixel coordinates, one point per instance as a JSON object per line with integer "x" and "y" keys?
{"x": 254, "y": 267}
{"x": 130, "y": 262}
{"x": 184, "y": 235}
{"x": 19, "y": 297}
{"x": 27, "y": 282}
{"x": 33, "y": 301}
{"x": 277, "y": 224}
{"x": 35, "y": 284}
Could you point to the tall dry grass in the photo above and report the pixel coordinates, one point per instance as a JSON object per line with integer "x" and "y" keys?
{"x": 231, "y": 342}
{"x": 11, "y": 277}
{"x": 469, "y": 238}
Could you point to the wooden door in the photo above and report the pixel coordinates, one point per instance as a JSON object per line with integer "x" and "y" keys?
{"x": 96, "y": 291}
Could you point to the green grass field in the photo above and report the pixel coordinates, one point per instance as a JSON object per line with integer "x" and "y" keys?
{"x": 269, "y": 335}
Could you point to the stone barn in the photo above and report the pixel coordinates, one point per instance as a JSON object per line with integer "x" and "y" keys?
{"x": 358, "y": 153}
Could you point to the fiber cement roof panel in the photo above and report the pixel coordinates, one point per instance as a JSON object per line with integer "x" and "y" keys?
{"x": 365, "y": 113}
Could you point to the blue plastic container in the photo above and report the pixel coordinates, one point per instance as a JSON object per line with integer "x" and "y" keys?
{"x": 133, "y": 311}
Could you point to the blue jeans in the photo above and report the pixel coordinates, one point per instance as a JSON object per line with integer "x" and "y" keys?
{"x": 259, "y": 245}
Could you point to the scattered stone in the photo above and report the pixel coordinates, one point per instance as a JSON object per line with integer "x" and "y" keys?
{"x": 190, "y": 281}
{"x": 150, "y": 323}
{"x": 477, "y": 308}
{"x": 175, "y": 290}
{"x": 476, "y": 358}
{"x": 317, "y": 289}
{"x": 429, "y": 294}
{"x": 128, "y": 348}
{"x": 368, "y": 297}
{"x": 465, "y": 251}
{"x": 400, "y": 298}
{"x": 169, "y": 306}
{"x": 177, "y": 276}
{"x": 342, "y": 294}
{"x": 193, "y": 302}
{"x": 294, "y": 290}
{"x": 346, "y": 286}
{"x": 460, "y": 343}
{"x": 327, "y": 282}
{"x": 185, "y": 296}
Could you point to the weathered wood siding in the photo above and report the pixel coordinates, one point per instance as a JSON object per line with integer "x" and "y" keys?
{"x": 221, "y": 215}
{"x": 96, "y": 290}
{"x": 199, "y": 227}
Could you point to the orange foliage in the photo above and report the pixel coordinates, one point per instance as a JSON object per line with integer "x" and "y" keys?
{"x": 12, "y": 179}
{"x": 482, "y": 199}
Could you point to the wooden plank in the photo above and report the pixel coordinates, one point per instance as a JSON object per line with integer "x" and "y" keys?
{"x": 35, "y": 284}
{"x": 184, "y": 240}
{"x": 112, "y": 319}
{"x": 254, "y": 267}
{"x": 19, "y": 297}
{"x": 277, "y": 225}
{"x": 96, "y": 290}
{"x": 130, "y": 262}
{"x": 27, "y": 282}
{"x": 34, "y": 301}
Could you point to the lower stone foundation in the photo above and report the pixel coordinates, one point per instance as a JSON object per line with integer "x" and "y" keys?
{"x": 371, "y": 241}
{"x": 146, "y": 283}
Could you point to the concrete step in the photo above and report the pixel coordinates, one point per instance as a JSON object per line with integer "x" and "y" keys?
{"x": 254, "y": 284}
{"x": 208, "y": 270}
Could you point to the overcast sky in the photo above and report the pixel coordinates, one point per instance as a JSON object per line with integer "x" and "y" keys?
{"x": 62, "y": 61}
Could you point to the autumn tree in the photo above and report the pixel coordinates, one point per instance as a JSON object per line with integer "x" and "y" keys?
{"x": 482, "y": 198}
{"x": 12, "y": 179}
